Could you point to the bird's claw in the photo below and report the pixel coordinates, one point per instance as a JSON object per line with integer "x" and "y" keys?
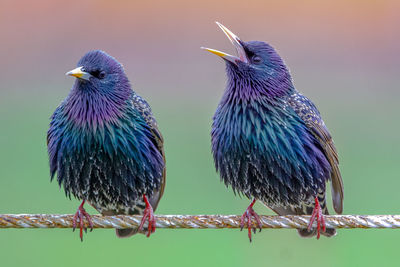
{"x": 148, "y": 215}
{"x": 247, "y": 218}
{"x": 317, "y": 214}
{"x": 80, "y": 215}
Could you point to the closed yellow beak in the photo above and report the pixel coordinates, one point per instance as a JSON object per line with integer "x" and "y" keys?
{"x": 79, "y": 73}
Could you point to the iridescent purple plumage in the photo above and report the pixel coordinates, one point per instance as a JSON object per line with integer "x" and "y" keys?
{"x": 103, "y": 141}
{"x": 268, "y": 141}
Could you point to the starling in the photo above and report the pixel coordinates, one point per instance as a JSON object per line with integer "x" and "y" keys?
{"x": 105, "y": 147}
{"x": 269, "y": 141}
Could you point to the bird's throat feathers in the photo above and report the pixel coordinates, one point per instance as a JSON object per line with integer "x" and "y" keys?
{"x": 86, "y": 121}
{"x": 247, "y": 82}
{"x": 252, "y": 100}
{"x": 90, "y": 109}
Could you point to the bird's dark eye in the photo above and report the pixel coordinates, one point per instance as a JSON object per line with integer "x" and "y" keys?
{"x": 102, "y": 74}
{"x": 256, "y": 59}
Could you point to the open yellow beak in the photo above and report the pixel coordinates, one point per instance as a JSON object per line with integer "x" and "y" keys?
{"x": 79, "y": 73}
{"x": 222, "y": 54}
{"x": 236, "y": 42}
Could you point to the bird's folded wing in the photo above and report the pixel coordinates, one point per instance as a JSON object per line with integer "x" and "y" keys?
{"x": 307, "y": 111}
{"x": 147, "y": 114}
{"x": 325, "y": 139}
{"x": 160, "y": 144}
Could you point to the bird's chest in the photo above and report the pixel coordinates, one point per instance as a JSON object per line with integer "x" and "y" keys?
{"x": 265, "y": 153}
{"x": 101, "y": 167}
{"x": 251, "y": 129}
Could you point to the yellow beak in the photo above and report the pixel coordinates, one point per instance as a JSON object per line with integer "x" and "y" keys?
{"x": 222, "y": 54}
{"x": 236, "y": 42}
{"x": 79, "y": 73}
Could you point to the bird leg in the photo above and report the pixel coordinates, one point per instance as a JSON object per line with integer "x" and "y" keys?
{"x": 247, "y": 218}
{"x": 80, "y": 215}
{"x": 148, "y": 215}
{"x": 317, "y": 214}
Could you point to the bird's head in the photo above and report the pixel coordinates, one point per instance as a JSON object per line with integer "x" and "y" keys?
{"x": 99, "y": 72}
{"x": 257, "y": 66}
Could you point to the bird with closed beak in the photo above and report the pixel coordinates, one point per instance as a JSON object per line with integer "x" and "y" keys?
{"x": 104, "y": 145}
{"x": 269, "y": 141}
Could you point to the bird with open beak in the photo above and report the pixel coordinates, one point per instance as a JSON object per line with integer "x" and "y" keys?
{"x": 269, "y": 141}
{"x": 105, "y": 146}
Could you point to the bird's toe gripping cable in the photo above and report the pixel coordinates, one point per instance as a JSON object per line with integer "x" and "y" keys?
{"x": 80, "y": 215}
{"x": 148, "y": 215}
{"x": 247, "y": 218}
{"x": 317, "y": 214}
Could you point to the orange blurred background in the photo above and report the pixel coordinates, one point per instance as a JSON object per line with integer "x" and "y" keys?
{"x": 344, "y": 55}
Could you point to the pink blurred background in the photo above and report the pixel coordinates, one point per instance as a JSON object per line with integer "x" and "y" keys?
{"x": 159, "y": 42}
{"x": 344, "y": 55}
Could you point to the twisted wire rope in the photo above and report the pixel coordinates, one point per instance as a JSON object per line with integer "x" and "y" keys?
{"x": 197, "y": 221}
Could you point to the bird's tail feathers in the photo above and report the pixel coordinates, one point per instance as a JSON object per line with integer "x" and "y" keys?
{"x": 307, "y": 209}
{"x": 124, "y": 233}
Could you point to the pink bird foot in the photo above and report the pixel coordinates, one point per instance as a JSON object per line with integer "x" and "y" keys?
{"x": 80, "y": 215}
{"x": 247, "y": 217}
{"x": 148, "y": 215}
{"x": 317, "y": 214}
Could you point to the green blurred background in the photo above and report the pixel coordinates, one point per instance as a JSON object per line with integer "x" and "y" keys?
{"x": 342, "y": 54}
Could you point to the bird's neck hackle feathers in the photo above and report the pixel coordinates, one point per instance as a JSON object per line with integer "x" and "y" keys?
{"x": 248, "y": 85}
{"x": 90, "y": 108}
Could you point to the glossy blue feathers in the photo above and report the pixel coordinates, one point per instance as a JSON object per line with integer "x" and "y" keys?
{"x": 269, "y": 141}
{"x": 264, "y": 150}
{"x": 103, "y": 141}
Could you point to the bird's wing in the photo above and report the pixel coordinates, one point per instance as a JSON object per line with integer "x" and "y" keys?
{"x": 307, "y": 111}
{"x": 160, "y": 144}
{"x": 144, "y": 108}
